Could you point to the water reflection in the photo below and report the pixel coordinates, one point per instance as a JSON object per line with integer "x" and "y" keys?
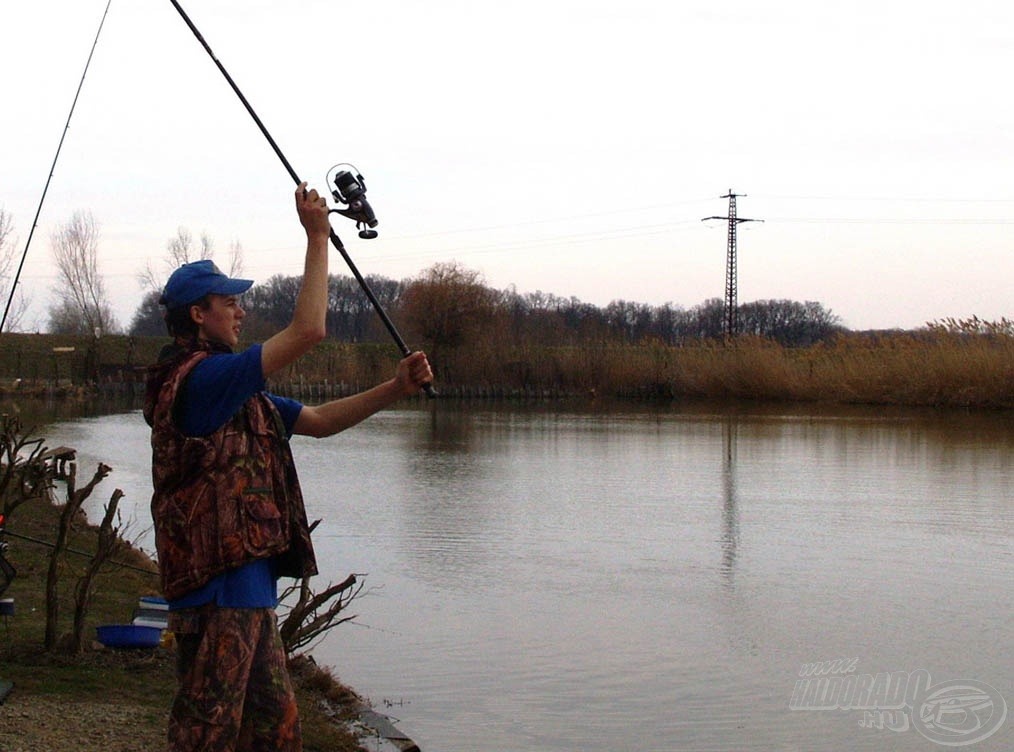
{"x": 730, "y": 514}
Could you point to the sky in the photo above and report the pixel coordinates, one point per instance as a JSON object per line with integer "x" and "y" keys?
{"x": 564, "y": 146}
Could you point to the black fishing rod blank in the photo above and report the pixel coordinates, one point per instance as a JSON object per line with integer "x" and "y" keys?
{"x": 360, "y": 215}
{"x": 76, "y": 552}
{"x": 52, "y": 169}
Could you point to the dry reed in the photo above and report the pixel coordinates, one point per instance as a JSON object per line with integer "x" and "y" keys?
{"x": 967, "y": 364}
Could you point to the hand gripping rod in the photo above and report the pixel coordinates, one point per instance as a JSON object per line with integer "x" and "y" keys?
{"x": 335, "y": 240}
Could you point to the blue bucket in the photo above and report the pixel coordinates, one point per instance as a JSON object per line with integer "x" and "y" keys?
{"x": 128, "y": 636}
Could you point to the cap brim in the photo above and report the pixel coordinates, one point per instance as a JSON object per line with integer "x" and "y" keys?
{"x": 232, "y": 286}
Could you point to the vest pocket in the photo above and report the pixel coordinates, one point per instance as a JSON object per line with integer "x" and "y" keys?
{"x": 264, "y": 526}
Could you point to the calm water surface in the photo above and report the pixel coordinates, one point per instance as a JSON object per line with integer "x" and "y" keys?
{"x": 552, "y": 580}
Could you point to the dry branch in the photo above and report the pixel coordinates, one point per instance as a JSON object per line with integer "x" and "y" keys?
{"x": 75, "y": 498}
{"x": 108, "y": 541}
{"x": 313, "y": 614}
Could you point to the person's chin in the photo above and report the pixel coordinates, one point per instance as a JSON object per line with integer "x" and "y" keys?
{"x": 231, "y": 341}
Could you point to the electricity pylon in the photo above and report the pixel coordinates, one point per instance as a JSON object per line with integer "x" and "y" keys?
{"x": 731, "y": 272}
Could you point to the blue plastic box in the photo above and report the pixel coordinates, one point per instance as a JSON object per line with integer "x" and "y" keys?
{"x": 128, "y": 636}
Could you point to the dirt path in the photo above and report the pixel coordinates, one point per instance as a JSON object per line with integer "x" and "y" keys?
{"x": 38, "y": 724}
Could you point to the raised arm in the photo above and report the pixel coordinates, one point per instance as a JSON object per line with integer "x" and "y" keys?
{"x": 332, "y": 417}
{"x": 307, "y": 327}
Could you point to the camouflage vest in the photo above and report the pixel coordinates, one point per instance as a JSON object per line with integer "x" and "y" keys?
{"x": 225, "y": 499}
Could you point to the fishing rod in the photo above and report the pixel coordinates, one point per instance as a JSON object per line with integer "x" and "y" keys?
{"x": 45, "y": 190}
{"x": 79, "y": 552}
{"x": 350, "y": 189}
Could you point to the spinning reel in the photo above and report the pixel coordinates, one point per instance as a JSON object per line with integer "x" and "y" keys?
{"x": 350, "y": 190}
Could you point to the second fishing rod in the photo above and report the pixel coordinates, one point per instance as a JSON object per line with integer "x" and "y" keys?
{"x": 349, "y": 189}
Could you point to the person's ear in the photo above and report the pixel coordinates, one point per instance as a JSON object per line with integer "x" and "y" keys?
{"x": 197, "y": 314}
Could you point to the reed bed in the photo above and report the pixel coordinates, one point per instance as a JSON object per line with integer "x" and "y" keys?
{"x": 932, "y": 368}
{"x": 911, "y": 369}
{"x": 924, "y": 368}
{"x": 939, "y": 367}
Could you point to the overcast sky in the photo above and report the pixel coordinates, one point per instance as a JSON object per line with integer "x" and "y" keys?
{"x": 568, "y": 146}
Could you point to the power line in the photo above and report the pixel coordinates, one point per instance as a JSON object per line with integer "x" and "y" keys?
{"x": 548, "y": 220}
{"x": 890, "y": 221}
{"x": 891, "y": 199}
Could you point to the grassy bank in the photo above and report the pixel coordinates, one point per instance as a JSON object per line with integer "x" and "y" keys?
{"x": 111, "y": 699}
{"x": 936, "y": 368}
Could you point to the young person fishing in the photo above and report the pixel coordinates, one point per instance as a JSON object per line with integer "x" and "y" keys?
{"x": 228, "y": 513}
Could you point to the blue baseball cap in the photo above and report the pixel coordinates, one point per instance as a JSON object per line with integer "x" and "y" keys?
{"x": 193, "y": 281}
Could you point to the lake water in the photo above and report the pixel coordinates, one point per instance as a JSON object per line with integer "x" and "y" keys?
{"x": 543, "y": 579}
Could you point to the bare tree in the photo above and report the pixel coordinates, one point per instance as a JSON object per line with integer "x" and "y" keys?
{"x": 179, "y": 250}
{"x": 446, "y": 305}
{"x": 80, "y": 287}
{"x": 235, "y": 259}
{"x": 13, "y": 300}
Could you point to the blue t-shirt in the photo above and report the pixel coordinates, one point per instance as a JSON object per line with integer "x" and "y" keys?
{"x": 216, "y": 388}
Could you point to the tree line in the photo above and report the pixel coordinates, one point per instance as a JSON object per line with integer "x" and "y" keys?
{"x": 443, "y": 308}
{"x": 449, "y": 305}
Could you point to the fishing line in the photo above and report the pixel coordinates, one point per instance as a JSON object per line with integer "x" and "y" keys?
{"x": 354, "y": 183}
{"x": 52, "y": 169}
{"x": 77, "y": 552}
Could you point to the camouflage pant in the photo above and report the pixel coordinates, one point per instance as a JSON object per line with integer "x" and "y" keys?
{"x": 234, "y": 693}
